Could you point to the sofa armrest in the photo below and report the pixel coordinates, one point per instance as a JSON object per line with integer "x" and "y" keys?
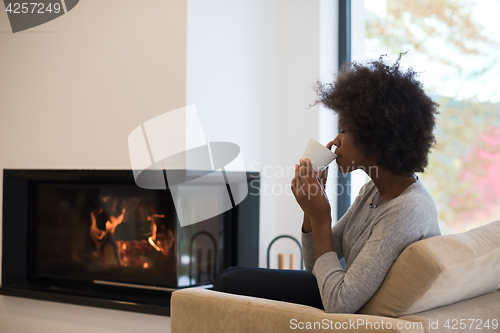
{"x": 200, "y": 310}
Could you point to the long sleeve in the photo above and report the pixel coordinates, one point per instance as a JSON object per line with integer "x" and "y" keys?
{"x": 337, "y": 235}
{"x": 308, "y": 243}
{"x": 345, "y": 291}
{"x": 370, "y": 240}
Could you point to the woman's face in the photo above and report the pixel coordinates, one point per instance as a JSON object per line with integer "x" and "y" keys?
{"x": 349, "y": 157}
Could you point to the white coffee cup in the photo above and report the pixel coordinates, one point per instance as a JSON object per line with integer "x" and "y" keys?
{"x": 319, "y": 155}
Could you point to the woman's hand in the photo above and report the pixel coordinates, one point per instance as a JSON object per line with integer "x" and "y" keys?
{"x": 310, "y": 195}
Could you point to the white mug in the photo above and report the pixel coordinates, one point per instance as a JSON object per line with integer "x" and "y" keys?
{"x": 319, "y": 155}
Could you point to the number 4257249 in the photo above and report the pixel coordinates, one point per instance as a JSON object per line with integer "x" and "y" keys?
{"x": 478, "y": 324}
{"x": 33, "y": 8}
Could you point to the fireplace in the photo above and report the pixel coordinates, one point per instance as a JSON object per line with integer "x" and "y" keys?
{"x": 93, "y": 237}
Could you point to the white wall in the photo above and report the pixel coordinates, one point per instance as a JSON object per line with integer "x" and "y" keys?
{"x": 328, "y": 65}
{"x": 296, "y": 58}
{"x": 230, "y": 79}
{"x": 72, "y": 90}
{"x": 251, "y": 70}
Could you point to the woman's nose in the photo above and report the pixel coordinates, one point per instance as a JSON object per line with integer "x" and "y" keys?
{"x": 336, "y": 141}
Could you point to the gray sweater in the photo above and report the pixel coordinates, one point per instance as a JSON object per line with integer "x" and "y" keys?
{"x": 369, "y": 240}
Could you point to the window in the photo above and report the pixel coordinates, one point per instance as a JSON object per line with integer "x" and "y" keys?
{"x": 454, "y": 45}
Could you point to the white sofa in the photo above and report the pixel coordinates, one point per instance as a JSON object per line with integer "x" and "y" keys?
{"x": 449, "y": 283}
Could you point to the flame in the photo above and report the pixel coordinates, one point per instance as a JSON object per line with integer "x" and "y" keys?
{"x": 130, "y": 253}
{"x": 150, "y": 240}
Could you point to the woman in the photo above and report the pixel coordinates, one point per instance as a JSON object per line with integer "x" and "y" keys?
{"x": 386, "y": 122}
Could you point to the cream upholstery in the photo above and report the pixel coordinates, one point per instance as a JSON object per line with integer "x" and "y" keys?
{"x": 199, "y": 310}
{"x": 439, "y": 271}
{"x": 474, "y": 312}
{"x": 437, "y": 279}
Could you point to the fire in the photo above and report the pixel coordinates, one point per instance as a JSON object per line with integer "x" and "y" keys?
{"x": 150, "y": 240}
{"x": 115, "y": 217}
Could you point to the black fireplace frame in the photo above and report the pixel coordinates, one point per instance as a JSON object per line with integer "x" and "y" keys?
{"x": 18, "y": 242}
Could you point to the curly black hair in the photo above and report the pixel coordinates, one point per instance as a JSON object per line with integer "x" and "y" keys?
{"x": 387, "y": 111}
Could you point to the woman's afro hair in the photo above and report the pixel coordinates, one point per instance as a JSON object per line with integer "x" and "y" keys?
{"x": 386, "y": 110}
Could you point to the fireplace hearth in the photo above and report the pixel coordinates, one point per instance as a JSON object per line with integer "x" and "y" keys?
{"x": 93, "y": 237}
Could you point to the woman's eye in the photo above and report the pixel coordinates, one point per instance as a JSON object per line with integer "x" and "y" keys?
{"x": 342, "y": 131}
